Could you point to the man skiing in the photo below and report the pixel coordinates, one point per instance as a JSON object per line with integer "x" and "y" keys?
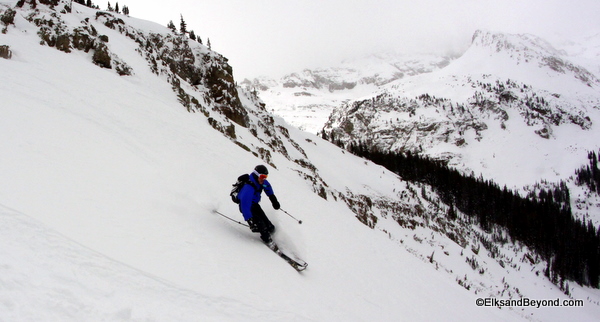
{"x": 249, "y": 197}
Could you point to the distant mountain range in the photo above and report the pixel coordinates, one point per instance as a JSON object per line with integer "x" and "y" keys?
{"x": 306, "y": 98}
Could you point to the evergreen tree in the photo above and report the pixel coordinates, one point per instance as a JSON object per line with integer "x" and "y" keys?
{"x": 126, "y": 10}
{"x": 171, "y": 26}
{"x": 117, "y": 8}
{"x": 208, "y": 44}
{"x": 109, "y": 8}
{"x": 192, "y": 35}
{"x": 182, "y": 26}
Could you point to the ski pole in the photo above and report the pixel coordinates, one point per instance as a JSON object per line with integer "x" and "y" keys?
{"x": 235, "y": 221}
{"x": 287, "y": 213}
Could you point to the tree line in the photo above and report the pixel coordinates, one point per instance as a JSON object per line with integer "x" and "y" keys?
{"x": 543, "y": 222}
{"x": 109, "y": 7}
{"x": 183, "y": 30}
{"x": 125, "y": 10}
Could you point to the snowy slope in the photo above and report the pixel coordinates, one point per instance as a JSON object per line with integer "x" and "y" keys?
{"x": 107, "y": 186}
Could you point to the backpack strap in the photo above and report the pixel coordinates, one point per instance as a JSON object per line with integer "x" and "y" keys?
{"x": 254, "y": 185}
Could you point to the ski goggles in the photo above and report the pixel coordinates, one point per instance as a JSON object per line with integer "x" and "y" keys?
{"x": 262, "y": 176}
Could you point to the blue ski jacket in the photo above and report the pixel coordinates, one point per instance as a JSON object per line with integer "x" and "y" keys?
{"x": 250, "y": 194}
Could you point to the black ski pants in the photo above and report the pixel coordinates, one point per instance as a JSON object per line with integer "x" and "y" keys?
{"x": 265, "y": 227}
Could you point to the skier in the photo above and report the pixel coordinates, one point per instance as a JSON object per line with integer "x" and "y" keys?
{"x": 249, "y": 197}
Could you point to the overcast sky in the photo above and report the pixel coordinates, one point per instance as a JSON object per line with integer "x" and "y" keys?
{"x": 273, "y": 37}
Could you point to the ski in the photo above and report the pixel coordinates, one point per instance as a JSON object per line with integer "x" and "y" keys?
{"x": 297, "y": 264}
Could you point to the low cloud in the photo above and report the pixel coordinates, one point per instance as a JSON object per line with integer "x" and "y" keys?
{"x": 272, "y": 37}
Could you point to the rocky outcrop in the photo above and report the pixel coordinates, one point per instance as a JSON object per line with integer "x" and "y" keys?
{"x": 388, "y": 121}
{"x": 7, "y": 18}
{"x": 5, "y": 52}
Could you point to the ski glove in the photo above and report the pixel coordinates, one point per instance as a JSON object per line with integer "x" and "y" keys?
{"x": 253, "y": 226}
{"x": 274, "y": 202}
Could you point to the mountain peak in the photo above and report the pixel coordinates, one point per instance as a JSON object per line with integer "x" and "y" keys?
{"x": 530, "y": 56}
{"x": 513, "y": 42}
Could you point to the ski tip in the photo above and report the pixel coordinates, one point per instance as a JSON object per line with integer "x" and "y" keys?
{"x": 300, "y": 269}
{"x": 299, "y": 265}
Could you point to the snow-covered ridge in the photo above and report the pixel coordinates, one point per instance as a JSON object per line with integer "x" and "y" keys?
{"x": 525, "y": 43}
{"x": 534, "y": 51}
{"x": 377, "y": 69}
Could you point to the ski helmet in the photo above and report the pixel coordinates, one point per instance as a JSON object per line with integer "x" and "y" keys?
{"x": 261, "y": 169}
